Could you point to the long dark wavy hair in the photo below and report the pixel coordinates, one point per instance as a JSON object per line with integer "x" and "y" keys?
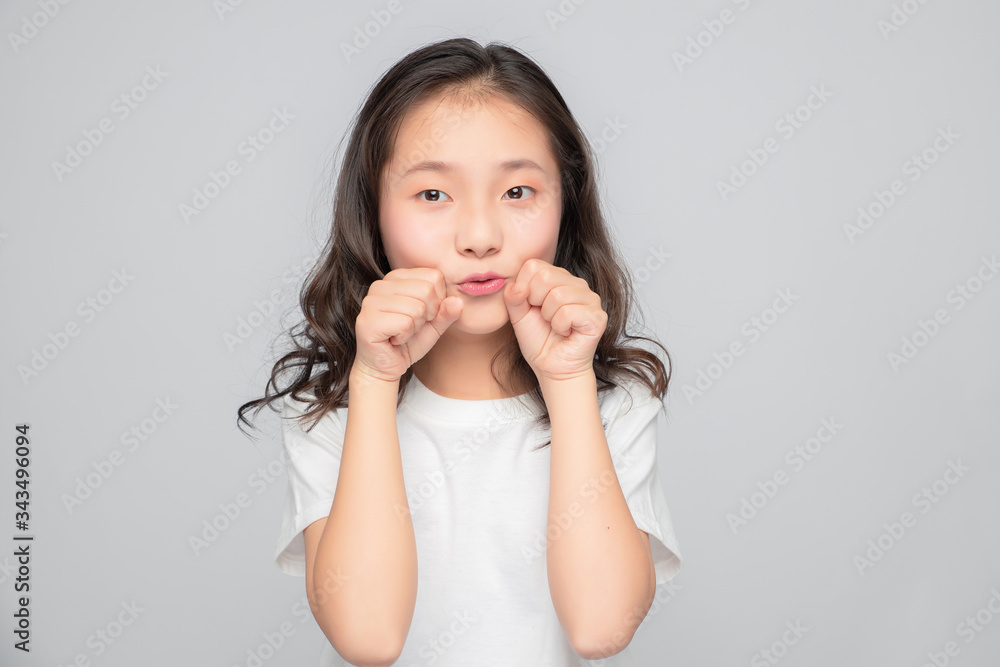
{"x": 353, "y": 257}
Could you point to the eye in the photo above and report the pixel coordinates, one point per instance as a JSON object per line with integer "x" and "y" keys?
{"x": 519, "y": 192}
{"x": 432, "y": 195}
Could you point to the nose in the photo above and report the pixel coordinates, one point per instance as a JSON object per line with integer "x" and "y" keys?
{"x": 479, "y": 232}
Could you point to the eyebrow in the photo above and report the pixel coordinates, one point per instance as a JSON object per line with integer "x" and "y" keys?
{"x": 447, "y": 167}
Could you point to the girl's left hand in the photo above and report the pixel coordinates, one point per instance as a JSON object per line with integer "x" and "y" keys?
{"x": 557, "y": 319}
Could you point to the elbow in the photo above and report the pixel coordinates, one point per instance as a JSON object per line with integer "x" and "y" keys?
{"x": 593, "y": 646}
{"x": 363, "y": 647}
{"x": 597, "y": 642}
{"x": 370, "y": 655}
{"x": 367, "y": 650}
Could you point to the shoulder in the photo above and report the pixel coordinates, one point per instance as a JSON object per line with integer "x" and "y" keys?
{"x": 329, "y": 426}
{"x": 629, "y": 395}
{"x": 295, "y": 408}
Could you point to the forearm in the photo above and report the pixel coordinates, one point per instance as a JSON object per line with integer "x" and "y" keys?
{"x": 598, "y": 562}
{"x": 369, "y": 535}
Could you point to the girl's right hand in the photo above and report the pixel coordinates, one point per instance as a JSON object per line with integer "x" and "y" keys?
{"x": 401, "y": 318}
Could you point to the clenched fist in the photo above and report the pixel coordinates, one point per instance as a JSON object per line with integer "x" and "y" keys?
{"x": 401, "y": 318}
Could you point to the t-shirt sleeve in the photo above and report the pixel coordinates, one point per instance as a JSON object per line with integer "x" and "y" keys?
{"x": 312, "y": 463}
{"x": 631, "y": 430}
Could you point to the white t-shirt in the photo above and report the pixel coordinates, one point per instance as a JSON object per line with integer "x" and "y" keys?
{"x": 478, "y": 497}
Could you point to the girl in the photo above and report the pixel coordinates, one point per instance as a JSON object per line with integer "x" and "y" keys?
{"x": 477, "y": 483}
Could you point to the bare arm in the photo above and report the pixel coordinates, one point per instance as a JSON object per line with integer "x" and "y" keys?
{"x": 361, "y": 561}
{"x": 600, "y": 567}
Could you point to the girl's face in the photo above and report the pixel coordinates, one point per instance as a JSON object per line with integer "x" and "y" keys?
{"x": 470, "y": 188}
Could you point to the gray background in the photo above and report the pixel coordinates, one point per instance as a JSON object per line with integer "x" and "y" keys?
{"x": 670, "y": 135}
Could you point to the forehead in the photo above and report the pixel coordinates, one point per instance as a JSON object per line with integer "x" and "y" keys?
{"x": 454, "y": 108}
{"x": 469, "y": 130}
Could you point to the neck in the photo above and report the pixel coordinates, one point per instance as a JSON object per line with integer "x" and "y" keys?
{"x": 458, "y": 366}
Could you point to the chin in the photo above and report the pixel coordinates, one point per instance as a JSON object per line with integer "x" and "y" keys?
{"x": 473, "y": 322}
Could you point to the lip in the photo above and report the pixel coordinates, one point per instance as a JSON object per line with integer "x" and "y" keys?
{"x": 482, "y": 287}
{"x": 477, "y": 277}
{"x": 478, "y": 284}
